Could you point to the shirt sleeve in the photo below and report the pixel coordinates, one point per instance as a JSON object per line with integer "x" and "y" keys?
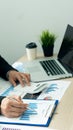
{"x": 1, "y": 98}
{"x": 4, "y": 67}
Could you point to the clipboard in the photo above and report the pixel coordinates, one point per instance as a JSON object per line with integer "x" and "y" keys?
{"x": 40, "y": 115}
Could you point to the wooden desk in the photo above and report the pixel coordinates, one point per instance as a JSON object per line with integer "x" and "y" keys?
{"x": 63, "y": 119}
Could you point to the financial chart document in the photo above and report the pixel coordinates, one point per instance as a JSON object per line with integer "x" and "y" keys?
{"x": 38, "y": 113}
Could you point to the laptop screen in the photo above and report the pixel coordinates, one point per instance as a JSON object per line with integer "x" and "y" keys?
{"x": 66, "y": 51}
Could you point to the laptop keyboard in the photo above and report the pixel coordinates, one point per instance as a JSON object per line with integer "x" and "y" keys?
{"x": 51, "y": 67}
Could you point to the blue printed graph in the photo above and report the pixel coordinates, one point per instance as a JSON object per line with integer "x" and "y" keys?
{"x": 7, "y": 91}
{"x": 28, "y": 113}
{"x": 52, "y": 87}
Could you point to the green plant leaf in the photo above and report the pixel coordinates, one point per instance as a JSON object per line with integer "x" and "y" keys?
{"x": 47, "y": 38}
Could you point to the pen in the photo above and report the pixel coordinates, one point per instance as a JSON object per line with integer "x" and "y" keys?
{"x": 31, "y": 109}
{"x": 11, "y": 98}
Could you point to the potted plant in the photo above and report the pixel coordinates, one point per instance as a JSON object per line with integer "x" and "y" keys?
{"x": 47, "y": 40}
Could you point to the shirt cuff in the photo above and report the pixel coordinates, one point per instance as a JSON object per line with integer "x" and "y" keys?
{"x": 7, "y": 75}
{"x": 1, "y": 98}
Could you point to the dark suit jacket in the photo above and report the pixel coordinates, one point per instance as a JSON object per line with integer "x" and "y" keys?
{"x": 4, "y": 67}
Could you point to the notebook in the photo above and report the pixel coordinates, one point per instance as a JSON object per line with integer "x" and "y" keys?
{"x": 54, "y": 68}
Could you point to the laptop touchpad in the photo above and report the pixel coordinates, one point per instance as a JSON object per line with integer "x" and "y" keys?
{"x": 33, "y": 69}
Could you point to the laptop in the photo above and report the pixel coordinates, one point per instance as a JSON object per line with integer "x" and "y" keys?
{"x": 60, "y": 67}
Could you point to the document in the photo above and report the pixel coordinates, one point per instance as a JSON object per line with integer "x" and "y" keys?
{"x": 54, "y": 90}
{"x": 4, "y": 85}
{"x": 39, "y": 113}
{"x": 19, "y": 127}
{"x": 51, "y": 90}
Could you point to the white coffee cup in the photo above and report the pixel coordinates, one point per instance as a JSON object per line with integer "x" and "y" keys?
{"x": 31, "y": 51}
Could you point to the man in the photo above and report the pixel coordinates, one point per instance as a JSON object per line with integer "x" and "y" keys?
{"x": 12, "y": 106}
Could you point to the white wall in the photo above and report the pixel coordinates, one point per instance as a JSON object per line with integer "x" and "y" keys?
{"x": 22, "y": 21}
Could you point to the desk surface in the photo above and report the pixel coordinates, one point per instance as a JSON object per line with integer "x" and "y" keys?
{"x": 63, "y": 119}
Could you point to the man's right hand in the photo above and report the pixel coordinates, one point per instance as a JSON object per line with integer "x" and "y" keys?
{"x": 12, "y": 106}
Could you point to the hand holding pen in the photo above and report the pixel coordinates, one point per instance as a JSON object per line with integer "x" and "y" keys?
{"x": 13, "y": 106}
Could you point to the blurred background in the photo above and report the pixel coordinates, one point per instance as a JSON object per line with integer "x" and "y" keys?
{"x": 22, "y": 21}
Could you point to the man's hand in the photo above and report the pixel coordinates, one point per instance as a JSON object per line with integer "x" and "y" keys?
{"x": 12, "y": 106}
{"x": 22, "y": 78}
